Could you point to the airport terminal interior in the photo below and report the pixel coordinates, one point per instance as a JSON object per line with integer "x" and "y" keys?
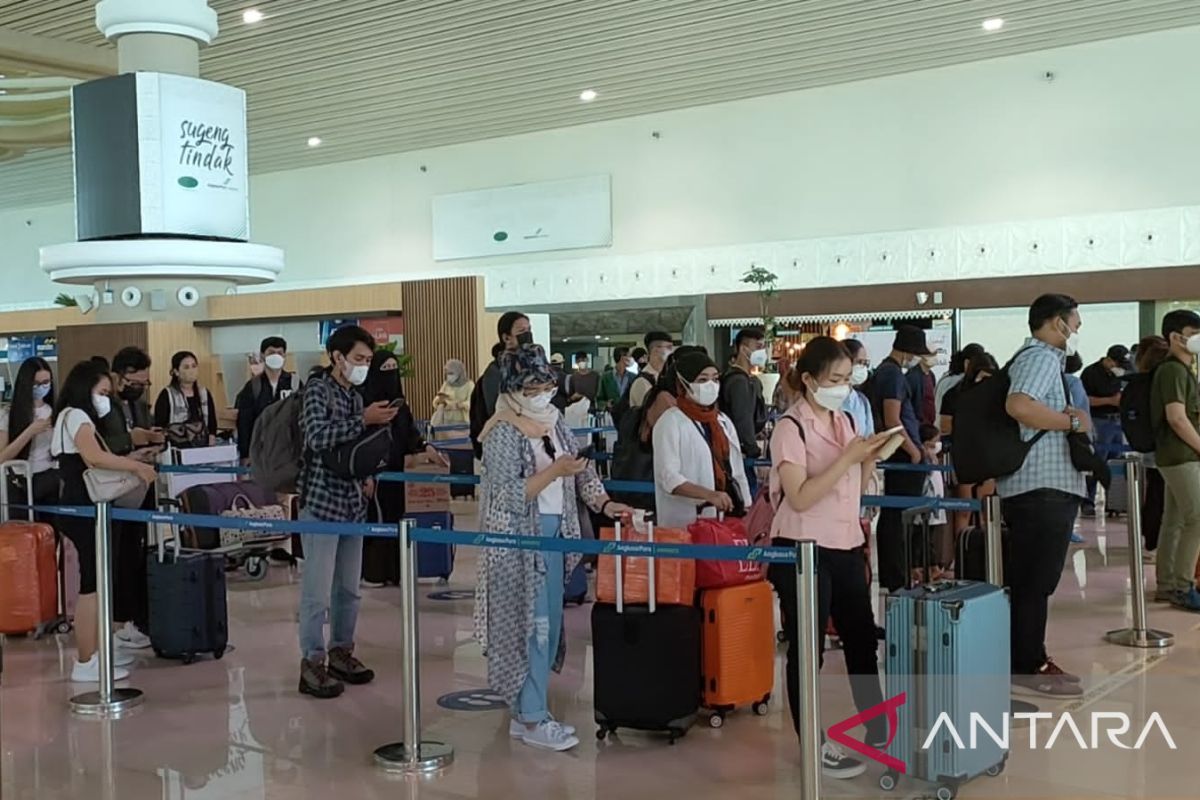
{"x": 334, "y": 334}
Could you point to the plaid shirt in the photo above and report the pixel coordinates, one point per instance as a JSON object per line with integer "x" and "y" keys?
{"x": 1038, "y": 373}
{"x": 332, "y": 416}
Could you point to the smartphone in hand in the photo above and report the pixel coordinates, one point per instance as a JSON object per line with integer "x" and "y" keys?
{"x": 588, "y": 452}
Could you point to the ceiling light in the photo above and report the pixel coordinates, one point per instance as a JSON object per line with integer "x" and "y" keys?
{"x": 588, "y": 95}
{"x": 251, "y": 16}
{"x": 993, "y": 24}
{"x": 314, "y": 141}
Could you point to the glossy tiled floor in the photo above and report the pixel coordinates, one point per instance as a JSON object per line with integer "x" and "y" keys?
{"x": 237, "y": 729}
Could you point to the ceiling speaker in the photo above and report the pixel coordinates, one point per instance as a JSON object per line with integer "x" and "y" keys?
{"x": 131, "y": 297}
{"x": 188, "y": 296}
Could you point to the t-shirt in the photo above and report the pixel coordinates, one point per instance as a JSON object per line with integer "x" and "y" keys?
{"x": 1173, "y": 382}
{"x": 68, "y": 425}
{"x": 639, "y": 389}
{"x": 1099, "y": 382}
{"x": 39, "y": 457}
{"x": 550, "y": 501}
{"x": 889, "y": 384}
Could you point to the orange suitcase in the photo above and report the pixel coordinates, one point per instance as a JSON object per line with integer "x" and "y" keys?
{"x": 738, "y": 648}
{"x": 675, "y": 578}
{"x": 28, "y": 578}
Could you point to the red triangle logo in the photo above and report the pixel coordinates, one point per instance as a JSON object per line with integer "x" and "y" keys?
{"x": 838, "y": 732}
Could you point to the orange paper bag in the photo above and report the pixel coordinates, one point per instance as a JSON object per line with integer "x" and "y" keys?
{"x": 675, "y": 578}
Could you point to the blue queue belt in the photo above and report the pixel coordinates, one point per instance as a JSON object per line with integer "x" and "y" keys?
{"x": 886, "y": 466}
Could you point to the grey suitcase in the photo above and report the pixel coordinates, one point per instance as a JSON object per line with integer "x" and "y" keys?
{"x": 947, "y": 655}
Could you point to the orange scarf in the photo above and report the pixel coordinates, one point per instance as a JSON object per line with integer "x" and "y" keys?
{"x": 717, "y": 440}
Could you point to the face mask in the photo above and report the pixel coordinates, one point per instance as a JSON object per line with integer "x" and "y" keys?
{"x": 934, "y": 448}
{"x": 1193, "y": 344}
{"x": 188, "y": 375}
{"x": 1118, "y": 372}
{"x": 831, "y": 397}
{"x": 132, "y": 393}
{"x": 536, "y": 404}
{"x": 524, "y": 338}
{"x": 759, "y": 358}
{"x": 860, "y": 374}
{"x": 631, "y": 367}
{"x": 41, "y": 390}
{"x": 912, "y": 362}
{"x": 355, "y": 373}
{"x": 929, "y": 361}
{"x": 1071, "y": 346}
{"x": 705, "y": 393}
{"x": 102, "y": 404}
{"x": 274, "y": 361}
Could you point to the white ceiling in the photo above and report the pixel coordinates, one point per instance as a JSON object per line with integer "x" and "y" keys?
{"x": 380, "y": 76}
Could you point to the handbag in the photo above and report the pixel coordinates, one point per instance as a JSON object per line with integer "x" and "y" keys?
{"x": 728, "y": 532}
{"x": 117, "y": 486}
{"x": 187, "y": 434}
{"x": 243, "y": 508}
{"x": 362, "y": 458}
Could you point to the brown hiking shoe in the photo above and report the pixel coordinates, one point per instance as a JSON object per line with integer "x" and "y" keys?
{"x": 343, "y": 665}
{"x": 316, "y": 681}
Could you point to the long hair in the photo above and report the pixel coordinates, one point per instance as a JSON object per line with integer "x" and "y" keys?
{"x": 20, "y": 413}
{"x": 76, "y": 390}
{"x": 817, "y": 357}
{"x": 177, "y": 360}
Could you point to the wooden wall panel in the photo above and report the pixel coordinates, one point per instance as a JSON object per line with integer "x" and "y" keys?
{"x": 441, "y": 321}
{"x": 166, "y": 339}
{"x": 364, "y": 300}
{"x": 40, "y": 320}
{"x": 79, "y": 342}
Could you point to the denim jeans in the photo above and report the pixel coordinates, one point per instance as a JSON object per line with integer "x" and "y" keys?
{"x": 1109, "y": 442}
{"x": 1179, "y": 540}
{"x": 532, "y": 705}
{"x": 332, "y": 568}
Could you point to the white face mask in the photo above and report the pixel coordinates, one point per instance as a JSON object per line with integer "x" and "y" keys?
{"x": 831, "y": 397}
{"x": 1118, "y": 372}
{"x": 102, "y": 404}
{"x": 536, "y": 404}
{"x": 1193, "y": 344}
{"x": 355, "y": 373}
{"x": 935, "y": 448}
{"x": 631, "y": 367}
{"x": 1072, "y": 344}
{"x": 705, "y": 394}
{"x": 274, "y": 361}
{"x": 759, "y": 357}
{"x": 912, "y": 362}
{"x": 860, "y": 374}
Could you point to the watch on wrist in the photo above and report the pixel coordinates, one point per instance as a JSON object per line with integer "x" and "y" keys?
{"x": 1075, "y": 423}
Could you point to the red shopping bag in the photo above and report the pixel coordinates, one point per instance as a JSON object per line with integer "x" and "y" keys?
{"x": 730, "y": 532}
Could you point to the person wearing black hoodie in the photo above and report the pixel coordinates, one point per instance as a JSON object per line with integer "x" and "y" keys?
{"x": 513, "y": 330}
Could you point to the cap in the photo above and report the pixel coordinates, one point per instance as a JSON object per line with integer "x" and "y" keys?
{"x": 1120, "y": 354}
{"x": 557, "y": 359}
{"x": 911, "y": 339}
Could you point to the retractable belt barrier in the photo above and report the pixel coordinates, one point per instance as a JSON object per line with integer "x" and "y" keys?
{"x": 886, "y": 466}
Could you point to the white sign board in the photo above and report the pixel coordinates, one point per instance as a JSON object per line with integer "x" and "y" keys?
{"x": 192, "y": 156}
{"x": 879, "y": 346}
{"x": 529, "y": 218}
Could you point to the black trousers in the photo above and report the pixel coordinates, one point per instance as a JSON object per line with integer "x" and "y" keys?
{"x": 890, "y": 532}
{"x": 843, "y": 594}
{"x": 1039, "y": 524}
{"x": 1152, "y": 508}
{"x": 131, "y": 592}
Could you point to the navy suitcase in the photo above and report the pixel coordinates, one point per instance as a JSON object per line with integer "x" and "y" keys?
{"x": 947, "y": 653}
{"x": 577, "y": 587}
{"x": 188, "y": 614}
{"x": 434, "y": 560}
{"x": 646, "y": 663}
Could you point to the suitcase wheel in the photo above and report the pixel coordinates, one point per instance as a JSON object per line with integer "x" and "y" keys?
{"x": 715, "y": 720}
{"x": 781, "y": 636}
{"x": 995, "y": 771}
{"x": 64, "y": 626}
{"x": 946, "y": 791}
{"x": 218, "y": 653}
{"x": 887, "y": 781}
{"x": 188, "y": 658}
{"x": 256, "y": 568}
{"x": 760, "y": 708}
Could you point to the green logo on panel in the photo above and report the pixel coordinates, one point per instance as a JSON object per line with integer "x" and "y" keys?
{"x": 188, "y": 182}
{"x": 500, "y": 236}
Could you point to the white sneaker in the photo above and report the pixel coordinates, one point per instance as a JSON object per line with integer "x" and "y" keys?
{"x": 517, "y": 729}
{"x": 129, "y": 636}
{"x": 122, "y": 657}
{"x": 89, "y": 671}
{"x": 549, "y": 735}
{"x": 836, "y": 763}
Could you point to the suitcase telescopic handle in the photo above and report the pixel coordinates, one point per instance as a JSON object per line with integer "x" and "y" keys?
{"x": 15, "y": 466}
{"x": 618, "y": 570}
{"x": 909, "y": 519}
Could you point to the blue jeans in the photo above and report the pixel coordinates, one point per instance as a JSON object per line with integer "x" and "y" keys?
{"x": 1109, "y": 442}
{"x": 332, "y": 568}
{"x": 532, "y": 706}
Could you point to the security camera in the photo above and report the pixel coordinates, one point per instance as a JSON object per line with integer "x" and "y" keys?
{"x": 922, "y": 298}
{"x": 84, "y": 302}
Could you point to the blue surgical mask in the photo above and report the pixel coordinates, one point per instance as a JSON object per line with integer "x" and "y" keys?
{"x": 42, "y": 390}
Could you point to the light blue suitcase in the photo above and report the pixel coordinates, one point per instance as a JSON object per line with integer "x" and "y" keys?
{"x": 947, "y": 652}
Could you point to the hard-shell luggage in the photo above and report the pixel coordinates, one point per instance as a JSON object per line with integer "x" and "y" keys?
{"x": 646, "y": 667}
{"x": 434, "y": 560}
{"x": 212, "y": 499}
{"x": 29, "y": 574}
{"x": 188, "y": 614}
{"x": 738, "y": 648}
{"x": 947, "y": 660}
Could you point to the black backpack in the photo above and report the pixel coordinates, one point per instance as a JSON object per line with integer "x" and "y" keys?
{"x": 987, "y": 441}
{"x": 621, "y": 407}
{"x": 1135, "y": 412}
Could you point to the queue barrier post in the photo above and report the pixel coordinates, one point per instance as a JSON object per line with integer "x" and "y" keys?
{"x": 993, "y": 540}
{"x": 1138, "y": 635}
{"x": 809, "y": 668}
{"x": 108, "y": 702}
{"x": 411, "y": 755}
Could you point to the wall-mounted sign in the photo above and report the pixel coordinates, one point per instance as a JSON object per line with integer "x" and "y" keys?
{"x": 21, "y": 348}
{"x": 326, "y": 327}
{"x": 386, "y": 330}
{"x": 45, "y": 346}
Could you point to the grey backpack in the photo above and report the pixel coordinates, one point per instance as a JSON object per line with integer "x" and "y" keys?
{"x": 277, "y": 444}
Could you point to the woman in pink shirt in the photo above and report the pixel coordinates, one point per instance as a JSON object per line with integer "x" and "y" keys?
{"x": 818, "y": 468}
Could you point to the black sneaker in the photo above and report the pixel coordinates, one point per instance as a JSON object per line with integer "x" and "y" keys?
{"x": 316, "y": 681}
{"x": 835, "y": 763}
{"x": 343, "y": 665}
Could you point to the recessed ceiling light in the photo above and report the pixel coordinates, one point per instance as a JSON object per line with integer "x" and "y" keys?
{"x": 993, "y": 24}
{"x": 588, "y": 95}
{"x": 314, "y": 141}
{"x": 251, "y": 16}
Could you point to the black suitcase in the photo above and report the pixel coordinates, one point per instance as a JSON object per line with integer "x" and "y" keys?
{"x": 188, "y": 615}
{"x": 646, "y": 668}
{"x": 971, "y": 559}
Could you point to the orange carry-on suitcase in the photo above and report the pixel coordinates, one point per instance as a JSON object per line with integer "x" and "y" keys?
{"x": 738, "y": 648}
{"x": 28, "y": 568}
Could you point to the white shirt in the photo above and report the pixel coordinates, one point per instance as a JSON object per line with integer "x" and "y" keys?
{"x": 69, "y": 423}
{"x": 682, "y": 455}
{"x": 550, "y": 501}
{"x": 39, "y": 457}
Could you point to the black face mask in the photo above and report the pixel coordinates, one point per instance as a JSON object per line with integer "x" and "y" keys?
{"x": 524, "y": 338}
{"x": 132, "y": 393}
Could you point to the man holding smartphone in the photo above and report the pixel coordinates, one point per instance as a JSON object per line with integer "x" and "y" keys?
{"x": 893, "y": 405}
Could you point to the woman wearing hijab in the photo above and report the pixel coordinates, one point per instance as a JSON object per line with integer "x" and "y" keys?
{"x": 697, "y": 455}
{"x": 531, "y": 479}
{"x": 452, "y": 404}
{"x": 380, "y": 563}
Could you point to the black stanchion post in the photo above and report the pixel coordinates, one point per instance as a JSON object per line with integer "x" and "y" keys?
{"x": 411, "y": 754}
{"x": 109, "y": 701}
{"x": 1138, "y": 635}
{"x": 809, "y": 668}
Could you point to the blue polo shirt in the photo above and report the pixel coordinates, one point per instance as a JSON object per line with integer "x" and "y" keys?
{"x": 889, "y": 384}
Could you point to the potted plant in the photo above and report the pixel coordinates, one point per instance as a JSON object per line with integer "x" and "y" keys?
{"x": 766, "y": 283}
